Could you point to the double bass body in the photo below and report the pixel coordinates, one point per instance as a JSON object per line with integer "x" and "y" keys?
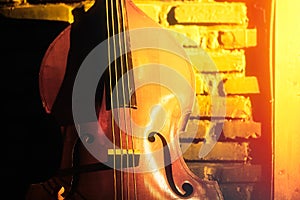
{"x": 148, "y": 133}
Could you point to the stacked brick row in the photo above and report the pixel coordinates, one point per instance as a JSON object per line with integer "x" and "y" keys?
{"x": 217, "y": 37}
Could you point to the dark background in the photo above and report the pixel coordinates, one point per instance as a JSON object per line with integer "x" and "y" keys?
{"x": 31, "y": 142}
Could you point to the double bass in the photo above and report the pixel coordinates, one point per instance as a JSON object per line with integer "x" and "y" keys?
{"x": 123, "y": 145}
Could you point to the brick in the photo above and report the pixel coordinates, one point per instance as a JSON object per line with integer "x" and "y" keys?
{"x": 238, "y": 191}
{"x": 198, "y": 129}
{"x": 205, "y": 12}
{"x": 230, "y": 107}
{"x": 232, "y": 83}
{"x": 229, "y": 61}
{"x": 226, "y": 13}
{"x": 216, "y": 37}
{"x": 221, "y": 151}
{"x": 243, "y": 85}
{"x": 227, "y": 172}
{"x": 242, "y": 129}
{"x": 60, "y": 12}
{"x": 201, "y": 129}
{"x": 217, "y": 62}
{"x": 238, "y": 38}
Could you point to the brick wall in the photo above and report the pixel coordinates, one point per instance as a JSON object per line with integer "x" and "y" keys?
{"x": 222, "y": 30}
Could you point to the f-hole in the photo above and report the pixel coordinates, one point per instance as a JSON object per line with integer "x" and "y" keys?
{"x": 188, "y": 188}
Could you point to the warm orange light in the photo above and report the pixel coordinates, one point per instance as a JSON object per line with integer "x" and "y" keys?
{"x": 287, "y": 100}
{"x": 60, "y": 192}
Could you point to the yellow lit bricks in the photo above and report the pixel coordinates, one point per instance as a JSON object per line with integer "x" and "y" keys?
{"x": 238, "y": 107}
{"x": 222, "y": 151}
{"x": 223, "y": 61}
{"x": 238, "y": 38}
{"x": 215, "y": 37}
{"x": 241, "y": 85}
{"x": 198, "y": 129}
{"x": 213, "y": 12}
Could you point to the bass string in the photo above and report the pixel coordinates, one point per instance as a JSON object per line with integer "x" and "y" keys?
{"x": 120, "y": 92}
{"x": 127, "y": 60}
{"x": 122, "y": 44}
{"x": 127, "y": 112}
{"x": 116, "y": 52}
{"x": 111, "y": 101}
{"x": 122, "y": 60}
